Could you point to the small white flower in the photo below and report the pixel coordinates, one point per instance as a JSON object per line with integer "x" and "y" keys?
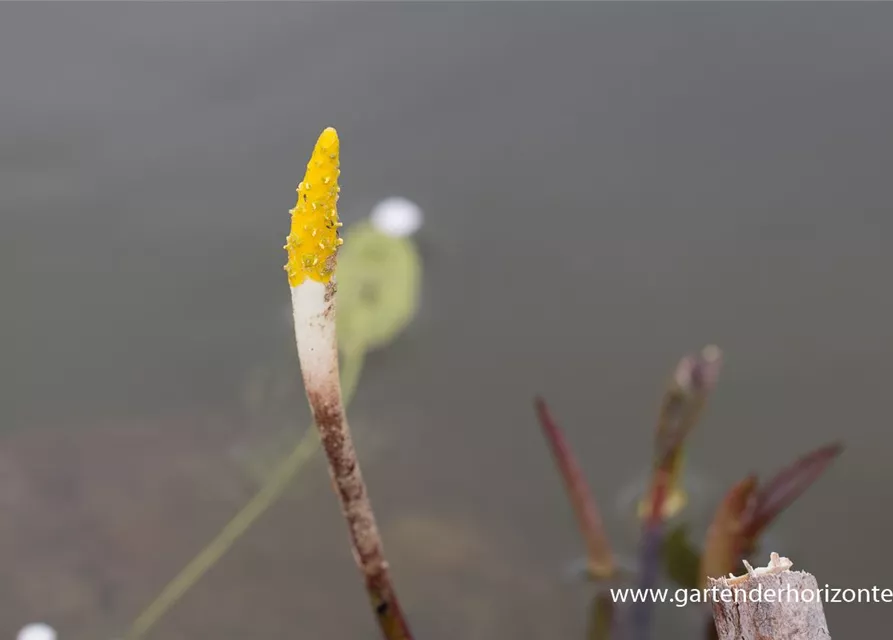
{"x": 397, "y": 217}
{"x": 37, "y": 631}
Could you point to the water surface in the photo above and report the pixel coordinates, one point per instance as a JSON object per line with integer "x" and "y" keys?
{"x": 607, "y": 186}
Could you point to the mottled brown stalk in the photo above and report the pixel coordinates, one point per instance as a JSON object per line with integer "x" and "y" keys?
{"x": 600, "y": 559}
{"x": 344, "y": 467}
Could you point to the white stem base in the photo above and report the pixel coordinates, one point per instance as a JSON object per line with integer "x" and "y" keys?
{"x": 313, "y": 307}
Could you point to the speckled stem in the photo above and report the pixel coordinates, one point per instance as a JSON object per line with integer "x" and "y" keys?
{"x": 347, "y": 478}
{"x": 314, "y": 307}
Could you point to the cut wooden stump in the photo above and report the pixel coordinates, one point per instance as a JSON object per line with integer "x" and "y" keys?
{"x": 769, "y": 603}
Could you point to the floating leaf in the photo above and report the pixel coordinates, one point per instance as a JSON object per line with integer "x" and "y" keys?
{"x": 777, "y": 494}
{"x": 681, "y": 560}
{"x": 722, "y": 547}
{"x": 379, "y": 279}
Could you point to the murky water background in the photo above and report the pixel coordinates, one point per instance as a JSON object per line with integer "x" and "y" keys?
{"x": 607, "y": 186}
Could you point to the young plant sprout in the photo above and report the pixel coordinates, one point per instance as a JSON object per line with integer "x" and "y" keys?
{"x": 600, "y": 561}
{"x": 312, "y": 247}
{"x": 738, "y": 523}
{"x": 380, "y": 259}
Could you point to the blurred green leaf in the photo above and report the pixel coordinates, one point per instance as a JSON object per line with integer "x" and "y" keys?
{"x": 379, "y": 280}
{"x": 601, "y": 618}
{"x": 681, "y": 560}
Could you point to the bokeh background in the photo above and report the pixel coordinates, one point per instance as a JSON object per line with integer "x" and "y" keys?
{"x": 607, "y": 186}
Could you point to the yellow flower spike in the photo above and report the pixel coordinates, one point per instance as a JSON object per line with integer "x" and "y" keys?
{"x": 313, "y": 241}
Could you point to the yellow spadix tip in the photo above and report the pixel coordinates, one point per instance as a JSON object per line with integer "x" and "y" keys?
{"x": 313, "y": 241}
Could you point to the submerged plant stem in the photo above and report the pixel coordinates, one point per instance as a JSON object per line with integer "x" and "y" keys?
{"x": 681, "y": 407}
{"x": 272, "y": 489}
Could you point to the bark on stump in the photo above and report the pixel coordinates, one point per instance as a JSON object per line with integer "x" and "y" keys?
{"x": 769, "y": 603}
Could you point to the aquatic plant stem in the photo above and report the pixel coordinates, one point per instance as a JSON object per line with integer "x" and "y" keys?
{"x": 312, "y": 248}
{"x": 651, "y": 543}
{"x": 599, "y": 557}
{"x": 272, "y": 488}
{"x": 681, "y": 407}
